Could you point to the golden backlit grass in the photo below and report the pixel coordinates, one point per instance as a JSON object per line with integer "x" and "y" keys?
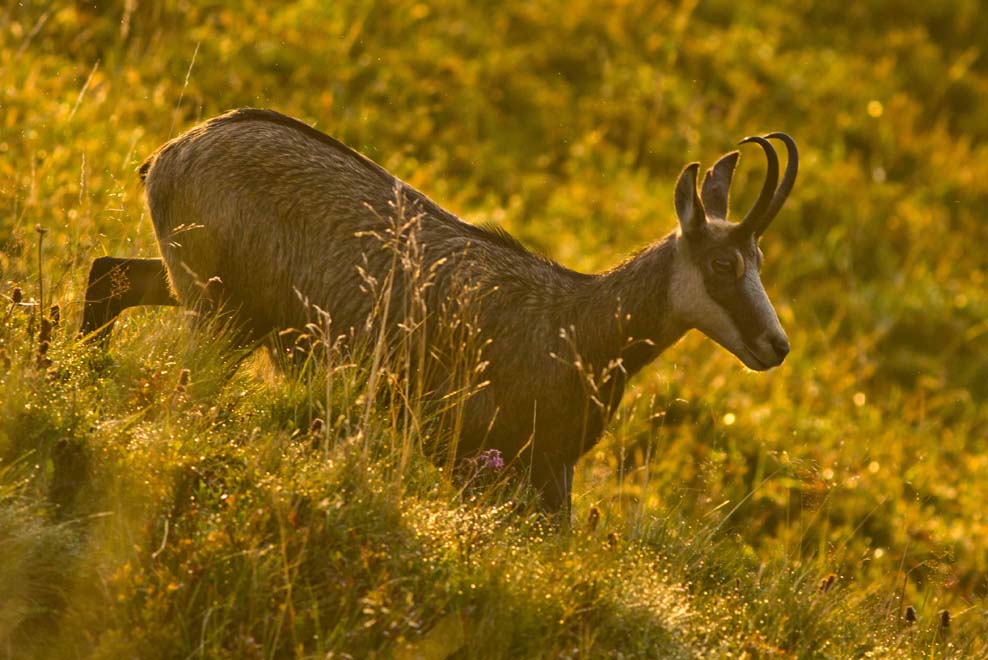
{"x": 140, "y": 518}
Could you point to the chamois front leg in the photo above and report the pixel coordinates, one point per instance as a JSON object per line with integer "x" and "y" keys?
{"x": 116, "y": 284}
{"x": 553, "y": 477}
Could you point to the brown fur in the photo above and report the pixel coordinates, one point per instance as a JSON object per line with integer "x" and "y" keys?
{"x": 273, "y": 212}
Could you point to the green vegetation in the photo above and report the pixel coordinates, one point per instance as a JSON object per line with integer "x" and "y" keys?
{"x": 147, "y": 511}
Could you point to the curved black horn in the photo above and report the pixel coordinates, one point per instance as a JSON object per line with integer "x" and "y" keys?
{"x": 788, "y": 180}
{"x": 754, "y": 221}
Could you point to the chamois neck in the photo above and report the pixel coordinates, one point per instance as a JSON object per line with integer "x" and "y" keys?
{"x": 624, "y": 313}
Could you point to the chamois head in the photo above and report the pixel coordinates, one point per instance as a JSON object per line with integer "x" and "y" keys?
{"x": 716, "y": 286}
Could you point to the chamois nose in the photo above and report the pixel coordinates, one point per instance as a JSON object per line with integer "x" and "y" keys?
{"x": 781, "y": 346}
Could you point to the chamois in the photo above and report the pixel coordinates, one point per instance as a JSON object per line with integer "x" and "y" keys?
{"x": 265, "y": 217}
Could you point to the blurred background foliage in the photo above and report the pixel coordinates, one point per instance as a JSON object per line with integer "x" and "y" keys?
{"x": 567, "y": 123}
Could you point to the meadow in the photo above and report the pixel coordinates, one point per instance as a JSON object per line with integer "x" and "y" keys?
{"x": 158, "y": 499}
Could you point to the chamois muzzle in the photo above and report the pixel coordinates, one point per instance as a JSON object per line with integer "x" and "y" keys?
{"x": 768, "y": 351}
{"x": 781, "y": 346}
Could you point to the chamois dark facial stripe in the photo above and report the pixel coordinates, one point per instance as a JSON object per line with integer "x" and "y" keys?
{"x": 740, "y": 305}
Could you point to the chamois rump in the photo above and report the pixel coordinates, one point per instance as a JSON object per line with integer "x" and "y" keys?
{"x": 263, "y": 216}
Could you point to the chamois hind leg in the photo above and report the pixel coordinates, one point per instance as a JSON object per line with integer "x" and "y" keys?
{"x": 116, "y": 284}
{"x": 215, "y": 311}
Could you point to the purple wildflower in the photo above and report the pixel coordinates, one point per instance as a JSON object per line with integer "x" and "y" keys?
{"x": 490, "y": 459}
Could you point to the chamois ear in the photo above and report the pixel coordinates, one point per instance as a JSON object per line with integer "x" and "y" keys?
{"x": 688, "y": 205}
{"x": 717, "y": 185}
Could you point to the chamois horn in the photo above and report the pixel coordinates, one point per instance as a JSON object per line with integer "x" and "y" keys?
{"x": 771, "y": 199}
{"x": 753, "y": 222}
{"x": 788, "y": 180}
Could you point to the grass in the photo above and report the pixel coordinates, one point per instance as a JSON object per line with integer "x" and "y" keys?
{"x": 147, "y": 513}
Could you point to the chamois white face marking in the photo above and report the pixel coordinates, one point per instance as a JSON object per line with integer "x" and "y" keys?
{"x": 715, "y": 283}
{"x": 716, "y": 288}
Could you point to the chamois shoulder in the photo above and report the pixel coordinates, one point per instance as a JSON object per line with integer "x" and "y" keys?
{"x": 495, "y": 234}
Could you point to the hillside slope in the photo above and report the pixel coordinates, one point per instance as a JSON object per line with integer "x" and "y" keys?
{"x": 159, "y": 501}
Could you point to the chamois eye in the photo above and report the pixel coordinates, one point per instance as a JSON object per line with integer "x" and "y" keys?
{"x": 723, "y": 266}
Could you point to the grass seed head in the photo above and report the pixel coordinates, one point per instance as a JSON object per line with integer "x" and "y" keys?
{"x": 17, "y": 295}
{"x": 184, "y": 377}
{"x": 594, "y": 518}
{"x": 45, "y": 335}
{"x": 44, "y": 343}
